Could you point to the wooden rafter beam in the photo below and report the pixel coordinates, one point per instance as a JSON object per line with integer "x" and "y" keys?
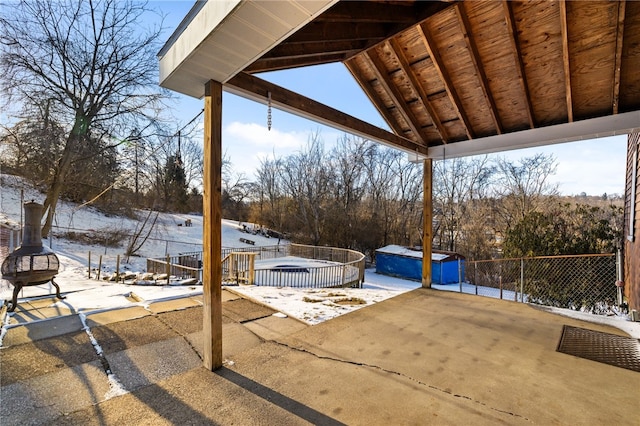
{"x": 564, "y": 29}
{"x": 275, "y": 64}
{"x": 522, "y": 76}
{"x": 482, "y": 76}
{"x": 314, "y": 48}
{"x": 618, "y": 59}
{"x": 382, "y": 75}
{"x": 430, "y": 45}
{"x": 392, "y": 12}
{"x": 258, "y": 90}
{"x": 418, "y": 88}
{"x": 337, "y": 31}
{"x": 369, "y": 90}
{"x": 344, "y": 31}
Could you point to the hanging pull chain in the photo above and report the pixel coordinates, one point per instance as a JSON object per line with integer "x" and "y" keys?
{"x": 269, "y": 111}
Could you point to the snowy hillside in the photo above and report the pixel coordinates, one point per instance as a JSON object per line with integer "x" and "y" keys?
{"x": 171, "y": 236}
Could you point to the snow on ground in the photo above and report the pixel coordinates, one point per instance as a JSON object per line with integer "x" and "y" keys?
{"x": 84, "y": 294}
{"x": 315, "y": 305}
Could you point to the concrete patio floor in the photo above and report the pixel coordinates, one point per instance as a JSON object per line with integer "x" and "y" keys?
{"x": 423, "y": 357}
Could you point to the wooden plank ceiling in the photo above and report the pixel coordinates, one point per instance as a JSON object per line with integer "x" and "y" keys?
{"x": 442, "y": 72}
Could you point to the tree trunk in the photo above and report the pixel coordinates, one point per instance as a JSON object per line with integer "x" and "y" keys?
{"x": 59, "y": 176}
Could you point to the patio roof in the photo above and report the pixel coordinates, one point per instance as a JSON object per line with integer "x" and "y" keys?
{"x": 450, "y": 78}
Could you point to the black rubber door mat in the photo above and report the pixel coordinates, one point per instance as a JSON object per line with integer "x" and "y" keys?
{"x": 619, "y": 351}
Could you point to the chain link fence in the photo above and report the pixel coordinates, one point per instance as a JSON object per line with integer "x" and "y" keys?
{"x": 582, "y": 282}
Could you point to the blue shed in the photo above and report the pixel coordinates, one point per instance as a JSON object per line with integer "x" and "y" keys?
{"x": 406, "y": 262}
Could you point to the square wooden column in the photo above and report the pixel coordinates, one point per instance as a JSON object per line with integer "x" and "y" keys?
{"x": 212, "y": 227}
{"x": 427, "y": 221}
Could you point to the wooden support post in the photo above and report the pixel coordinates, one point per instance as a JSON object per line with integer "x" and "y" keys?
{"x": 233, "y": 259}
{"x": 212, "y": 227}
{"x": 427, "y": 221}
{"x": 252, "y": 268}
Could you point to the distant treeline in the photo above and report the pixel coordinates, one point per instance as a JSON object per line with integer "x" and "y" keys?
{"x": 363, "y": 196}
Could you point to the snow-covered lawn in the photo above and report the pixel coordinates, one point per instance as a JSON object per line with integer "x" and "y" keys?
{"x": 315, "y": 305}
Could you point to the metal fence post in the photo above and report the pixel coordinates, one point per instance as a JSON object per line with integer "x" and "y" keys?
{"x": 521, "y": 280}
{"x": 459, "y": 274}
{"x": 500, "y": 269}
{"x": 168, "y": 268}
{"x": 475, "y": 275}
{"x": 619, "y": 277}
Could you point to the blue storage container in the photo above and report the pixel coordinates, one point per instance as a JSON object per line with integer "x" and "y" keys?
{"x": 406, "y": 262}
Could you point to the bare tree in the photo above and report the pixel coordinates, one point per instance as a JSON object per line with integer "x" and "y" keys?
{"x": 381, "y": 176}
{"x": 90, "y": 59}
{"x": 306, "y": 178}
{"x": 522, "y": 186}
{"x": 408, "y": 199}
{"x": 141, "y": 234}
{"x": 347, "y": 190}
{"x": 32, "y": 144}
{"x": 458, "y": 183}
{"x": 193, "y": 159}
{"x": 269, "y": 195}
{"x": 235, "y": 191}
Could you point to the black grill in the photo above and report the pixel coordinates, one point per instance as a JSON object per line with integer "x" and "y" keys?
{"x": 31, "y": 263}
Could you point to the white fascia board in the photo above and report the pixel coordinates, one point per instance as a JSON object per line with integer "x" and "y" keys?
{"x": 210, "y": 16}
{"x": 200, "y": 50}
{"x": 619, "y": 124}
